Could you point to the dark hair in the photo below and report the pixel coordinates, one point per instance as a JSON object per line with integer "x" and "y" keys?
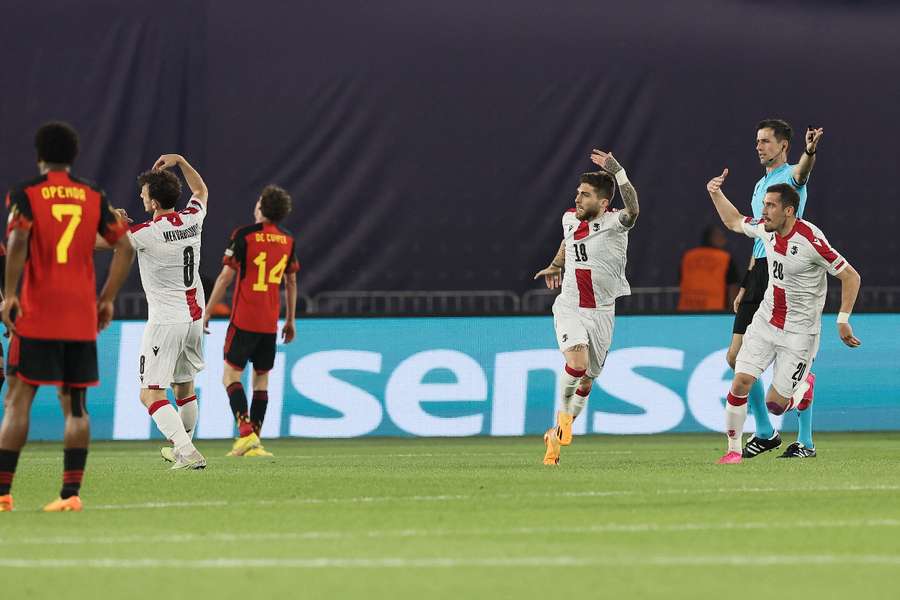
{"x": 274, "y": 203}
{"x": 164, "y": 187}
{"x": 779, "y": 127}
{"x": 56, "y": 142}
{"x": 601, "y": 181}
{"x": 789, "y": 196}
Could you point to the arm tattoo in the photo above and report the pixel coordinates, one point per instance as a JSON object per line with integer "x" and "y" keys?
{"x": 560, "y": 259}
{"x": 628, "y": 216}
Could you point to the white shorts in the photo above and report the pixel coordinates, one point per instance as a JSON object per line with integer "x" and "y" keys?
{"x": 170, "y": 354}
{"x": 792, "y": 354}
{"x": 590, "y": 326}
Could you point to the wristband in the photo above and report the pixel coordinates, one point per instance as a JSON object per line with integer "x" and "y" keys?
{"x": 808, "y": 153}
{"x": 843, "y": 317}
{"x": 553, "y": 264}
{"x": 621, "y": 178}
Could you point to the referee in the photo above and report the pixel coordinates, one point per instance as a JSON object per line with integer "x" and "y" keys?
{"x": 773, "y": 140}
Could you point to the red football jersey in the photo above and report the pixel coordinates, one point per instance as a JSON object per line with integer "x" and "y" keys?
{"x": 58, "y": 290}
{"x": 261, "y": 254}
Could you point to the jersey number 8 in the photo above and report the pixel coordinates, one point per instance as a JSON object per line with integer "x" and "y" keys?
{"x": 275, "y": 274}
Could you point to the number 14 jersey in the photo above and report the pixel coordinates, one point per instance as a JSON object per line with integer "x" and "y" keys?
{"x": 261, "y": 254}
{"x": 168, "y": 250}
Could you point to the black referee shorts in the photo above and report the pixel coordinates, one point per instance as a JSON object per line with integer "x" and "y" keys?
{"x": 756, "y": 282}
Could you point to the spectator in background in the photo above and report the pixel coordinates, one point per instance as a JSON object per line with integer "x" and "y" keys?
{"x": 709, "y": 277}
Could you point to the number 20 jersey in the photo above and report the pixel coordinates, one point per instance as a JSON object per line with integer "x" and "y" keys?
{"x": 595, "y": 260}
{"x": 261, "y": 254}
{"x": 63, "y": 214}
{"x": 168, "y": 250}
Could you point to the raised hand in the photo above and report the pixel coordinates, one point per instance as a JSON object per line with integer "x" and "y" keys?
{"x": 166, "y": 161}
{"x": 606, "y": 161}
{"x": 715, "y": 184}
{"x": 552, "y": 276}
{"x": 813, "y": 135}
{"x": 846, "y": 333}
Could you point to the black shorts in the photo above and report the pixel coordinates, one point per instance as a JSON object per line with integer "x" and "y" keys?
{"x": 53, "y": 362}
{"x": 242, "y": 346}
{"x": 755, "y": 285}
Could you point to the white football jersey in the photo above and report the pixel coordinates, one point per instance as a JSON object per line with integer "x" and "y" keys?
{"x": 797, "y": 284}
{"x": 168, "y": 251}
{"x": 595, "y": 260}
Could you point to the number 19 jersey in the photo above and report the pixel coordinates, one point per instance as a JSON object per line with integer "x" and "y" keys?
{"x": 168, "y": 250}
{"x": 261, "y": 254}
{"x": 595, "y": 260}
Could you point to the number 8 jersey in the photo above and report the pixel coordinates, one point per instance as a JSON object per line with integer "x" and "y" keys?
{"x": 63, "y": 214}
{"x": 261, "y": 254}
{"x": 168, "y": 250}
{"x": 595, "y": 260}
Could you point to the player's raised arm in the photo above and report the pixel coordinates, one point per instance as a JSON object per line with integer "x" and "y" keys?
{"x": 226, "y": 276}
{"x": 730, "y": 216}
{"x": 607, "y": 162}
{"x": 552, "y": 274}
{"x": 191, "y": 176}
{"x": 805, "y": 165}
{"x": 850, "y": 282}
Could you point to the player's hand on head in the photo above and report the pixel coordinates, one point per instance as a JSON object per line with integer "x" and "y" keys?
{"x": 104, "y": 314}
{"x": 846, "y": 333}
{"x": 166, "y": 161}
{"x": 715, "y": 184}
{"x": 288, "y": 332}
{"x": 813, "y": 135}
{"x": 606, "y": 161}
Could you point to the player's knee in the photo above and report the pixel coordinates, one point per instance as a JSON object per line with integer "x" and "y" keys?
{"x": 742, "y": 384}
{"x": 776, "y": 408}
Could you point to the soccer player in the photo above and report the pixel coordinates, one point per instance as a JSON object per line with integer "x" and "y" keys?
{"x": 773, "y": 139}
{"x": 785, "y": 330}
{"x": 168, "y": 250}
{"x": 53, "y": 222}
{"x": 594, "y": 247}
{"x": 260, "y": 256}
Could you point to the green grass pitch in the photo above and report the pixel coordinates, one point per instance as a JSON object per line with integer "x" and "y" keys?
{"x": 622, "y": 517}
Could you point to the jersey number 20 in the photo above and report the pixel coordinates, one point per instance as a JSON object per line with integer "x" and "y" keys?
{"x": 275, "y": 275}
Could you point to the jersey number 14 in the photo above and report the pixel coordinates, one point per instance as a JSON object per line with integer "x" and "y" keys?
{"x": 274, "y": 275}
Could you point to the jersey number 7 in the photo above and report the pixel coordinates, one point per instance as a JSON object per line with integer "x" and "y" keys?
{"x": 60, "y": 211}
{"x": 275, "y": 274}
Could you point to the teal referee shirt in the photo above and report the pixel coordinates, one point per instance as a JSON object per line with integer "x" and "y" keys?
{"x": 783, "y": 174}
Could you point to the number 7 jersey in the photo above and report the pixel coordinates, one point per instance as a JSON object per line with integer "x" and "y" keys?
{"x": 168, "y": 251}
{"x": 261, "y": 254}
{"x": 63, "y": 215}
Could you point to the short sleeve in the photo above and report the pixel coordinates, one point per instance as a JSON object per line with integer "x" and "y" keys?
{"x": 827, "y": 256}
{"x": 111, "y": 225}
{"x": 293, "y": 264}
{"x": 19, "y": 207}
{"x": 751, "y": 227}
{"x": 137, "y": 235}
{"x": 236, "y": 252}
{"x": 617, "y": 225}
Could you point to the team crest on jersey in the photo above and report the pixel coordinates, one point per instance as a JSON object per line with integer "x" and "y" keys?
{"x": 565, "y": 337}
{"x": 793, "y": 249}
{"x": 596, "y": 226}
{"x": 571, "y": 227}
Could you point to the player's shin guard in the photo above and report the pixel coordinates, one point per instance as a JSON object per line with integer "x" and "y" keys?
{"x": 238, "y": 400}
{"x": 735, "y": 415}
{"x": 579, "y": 400}
{"x": 569, "y": 381}
{"x": 169, "y": 423}
{"x": 187, "y": 410}
{"x": 74, "y": 461}
{"x": 757, "y": 402}
{"x": 258, "y": 409}
{"x": 8, "y": 461}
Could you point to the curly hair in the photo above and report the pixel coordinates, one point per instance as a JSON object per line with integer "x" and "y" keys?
{"x": 56, "y": 142}
{"x": 274, "y": 203}
{"x": 164, "y": 187}
{"x": 601, "y": 181}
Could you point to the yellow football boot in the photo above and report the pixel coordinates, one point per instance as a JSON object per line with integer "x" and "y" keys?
{"x": 564, "y": 420}
{"x": 70, "y": 504}
{"x": 258, "y": 451}
{"x": 6, "y": 503}
{"x": 243, "y": 444}
{"x": 551, "y": 440}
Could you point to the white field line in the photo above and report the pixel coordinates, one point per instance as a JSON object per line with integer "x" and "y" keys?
{"x": 739, "y": 560}
{"x": 602, "y": 528}
{"x": 466, "y": 497}
{"x": 324, "y": 456}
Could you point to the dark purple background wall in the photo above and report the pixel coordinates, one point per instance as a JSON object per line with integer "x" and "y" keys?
{"x": 434, "y": 145}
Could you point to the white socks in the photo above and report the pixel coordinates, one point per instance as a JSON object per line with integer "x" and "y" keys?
{"x": 578, "y": 402}
{"x": 735, "y": 415}
{"x": 569, "y": 381}
{"x": 187, "y": 410}
{"x": 169, "y": 423}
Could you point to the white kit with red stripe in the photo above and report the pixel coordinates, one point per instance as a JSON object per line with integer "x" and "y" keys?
{"x": 798, "y": 263}
{"x": 595, "y": 260}
{"x": 168, "y": 250}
